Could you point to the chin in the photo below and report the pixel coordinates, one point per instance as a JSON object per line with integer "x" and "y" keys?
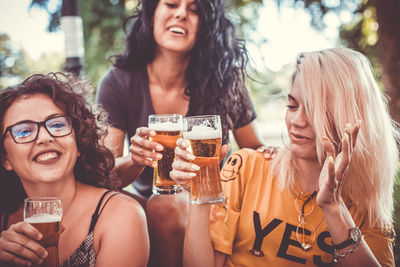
{"x": 304, "y": 153}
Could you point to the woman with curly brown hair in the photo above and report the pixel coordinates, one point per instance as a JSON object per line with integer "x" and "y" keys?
{"x": 50, "y": 146}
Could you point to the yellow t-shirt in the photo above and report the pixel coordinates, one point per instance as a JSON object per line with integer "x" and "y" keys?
{"x": 257, "y": 226}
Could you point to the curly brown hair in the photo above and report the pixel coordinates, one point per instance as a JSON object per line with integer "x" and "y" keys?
{"x": 68, "y": 92}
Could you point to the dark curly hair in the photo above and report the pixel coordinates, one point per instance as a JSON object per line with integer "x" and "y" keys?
{"x": 216, "y": 71}
{"x": 95, "y": 163}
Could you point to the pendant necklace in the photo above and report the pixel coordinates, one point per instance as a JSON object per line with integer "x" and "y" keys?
{"x": 305, "y": 237}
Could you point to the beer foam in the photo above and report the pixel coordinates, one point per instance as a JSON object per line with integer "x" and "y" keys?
{"x": 43, "y": 218}
{"x": 166, "y": 126}
{"x": 200, "y": 132}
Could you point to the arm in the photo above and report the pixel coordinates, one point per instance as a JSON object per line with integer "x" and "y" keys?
{"x": 128, "y": 168}
{"x": 198, "y": 249}
{"x": 337, "y": 215}
{"x": 247, "y": 137}
{"x": 123, "y": 235}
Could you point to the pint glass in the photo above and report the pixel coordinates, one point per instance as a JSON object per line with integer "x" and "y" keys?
{"x": 45, "y": 214}
{"x": 204, "y": 134}
{"x": 168, "y": 128}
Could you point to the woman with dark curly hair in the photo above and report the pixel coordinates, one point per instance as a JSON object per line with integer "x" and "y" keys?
{"x": 50, "y": 146}
{"x": 181, "y": 57}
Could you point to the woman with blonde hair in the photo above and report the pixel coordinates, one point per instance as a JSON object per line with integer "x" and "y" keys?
{"x": 326, "y": 198}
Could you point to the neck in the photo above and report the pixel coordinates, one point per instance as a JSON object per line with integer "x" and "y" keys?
{"x": 307, "y": 174}
{"x": 65, "y": 190}
{"x": 168, "y": 70}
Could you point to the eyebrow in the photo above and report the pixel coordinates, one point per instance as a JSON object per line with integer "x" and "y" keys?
{"x": 291, "y": 97}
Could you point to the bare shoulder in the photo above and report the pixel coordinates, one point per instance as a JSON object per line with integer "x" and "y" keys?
{"x": 122, "y": 206}
{"x": 121, "y": 235}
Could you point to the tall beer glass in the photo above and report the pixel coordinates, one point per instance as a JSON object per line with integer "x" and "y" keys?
{"x": 204, "y": 134}
{"x": 168, "y": 128}
{"x": 45, "y": 214}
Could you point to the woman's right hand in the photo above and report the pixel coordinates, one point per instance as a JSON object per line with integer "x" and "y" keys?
{"x": 142, "y": 148}
{"x": 19, "y": 245}
{"x": 183, "y": 168}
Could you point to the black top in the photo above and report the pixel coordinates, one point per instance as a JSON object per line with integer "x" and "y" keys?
{"x": 125, "y": 95}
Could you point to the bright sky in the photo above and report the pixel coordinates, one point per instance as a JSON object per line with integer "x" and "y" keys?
{"x": 288, "y": 32}
{"x": 27, "y": 29}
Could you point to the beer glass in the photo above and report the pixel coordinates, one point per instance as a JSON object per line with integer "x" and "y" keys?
{"x": 204, "y": 134}
{"x": 168, "y": 128}
{"x": 45, "y": 213}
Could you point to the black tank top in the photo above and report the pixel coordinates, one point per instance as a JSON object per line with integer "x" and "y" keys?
{"x": 84, "y": 255}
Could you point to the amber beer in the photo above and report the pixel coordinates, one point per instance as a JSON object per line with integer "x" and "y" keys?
{"x": 49, "y": 225}
{"x": 168, "y": 130}
{"x": 205, "y": 144}
{"x": 45, "y": 214}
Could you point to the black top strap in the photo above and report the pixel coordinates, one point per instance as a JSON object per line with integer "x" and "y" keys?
{"x": 97, "y": 214}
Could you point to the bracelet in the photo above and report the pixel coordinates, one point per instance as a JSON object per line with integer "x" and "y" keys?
{"x": 337, "y": 255}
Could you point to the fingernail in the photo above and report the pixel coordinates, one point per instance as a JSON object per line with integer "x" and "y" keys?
{"x": 191, "y": 156}
{"x": 152, "y": 133}
{"x": 358, "y": 123}
{"x": 185, "y": 144}
{"x": 347, "y": 127}
{"x": 195, "y": 167}
{"x": 44, "y": 254}
{"x": 260, "y": 149}
{"x": 331, "y": 159}
{"x": 267, "y": 155}
{"x": 158, "y": 156}
{"x": 192, "y": 174}
{"x": 154, "y": 164}
{"x": 159, "y": 148}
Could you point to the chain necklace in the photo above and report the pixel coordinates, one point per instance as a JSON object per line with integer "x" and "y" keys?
{"x": 305, "y": 237}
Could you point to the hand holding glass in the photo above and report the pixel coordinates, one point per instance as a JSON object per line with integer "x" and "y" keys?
{"x": 45, "y": 214}
{"x": 168, "y": 128}
{"x": 204, "y": 134}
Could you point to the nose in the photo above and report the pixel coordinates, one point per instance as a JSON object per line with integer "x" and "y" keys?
{"x": 43, "y": 136}
{"x": 181, "y": 12}
{"x": 300, "y": 118}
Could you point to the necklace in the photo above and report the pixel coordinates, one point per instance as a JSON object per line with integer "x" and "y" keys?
{"x": 305, "y": 237}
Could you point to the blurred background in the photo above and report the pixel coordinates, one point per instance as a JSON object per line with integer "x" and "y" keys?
{"x": 32, "y": 41}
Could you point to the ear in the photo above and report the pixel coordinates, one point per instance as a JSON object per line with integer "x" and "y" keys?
{"x": 6, "y": 163}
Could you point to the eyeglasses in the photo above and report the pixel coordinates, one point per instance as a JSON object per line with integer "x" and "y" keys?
{"x": 28, "y": 131}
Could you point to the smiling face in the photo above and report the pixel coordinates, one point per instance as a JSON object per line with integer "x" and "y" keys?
{"x": 175, "y": 25}
{"x": 47, "y": 159}
{"x": 300, "y": 130}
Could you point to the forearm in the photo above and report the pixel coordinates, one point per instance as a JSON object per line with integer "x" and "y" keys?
{"x": 339, "y": 223}
{"x": 198, "y": 249}
{"x": 126, "y": 170}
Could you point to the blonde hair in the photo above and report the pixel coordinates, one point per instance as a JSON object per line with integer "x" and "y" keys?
{"x": 338, "y": 87}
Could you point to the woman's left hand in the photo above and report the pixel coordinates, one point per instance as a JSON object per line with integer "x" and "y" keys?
{"x": 269, "y": 151}
{"x": 334, "y": 170}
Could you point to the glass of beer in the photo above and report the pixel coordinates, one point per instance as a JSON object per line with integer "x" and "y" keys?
{"x": 204, "y": 135}
{"x": 168, "y": 128}
{"x": 45, "y": 214}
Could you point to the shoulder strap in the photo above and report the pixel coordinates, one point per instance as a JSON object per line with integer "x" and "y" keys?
{"x": 97, "y": 214}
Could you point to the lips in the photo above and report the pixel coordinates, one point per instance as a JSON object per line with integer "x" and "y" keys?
{"x": 298, "y": 137}
{"x": 47, "y": 157}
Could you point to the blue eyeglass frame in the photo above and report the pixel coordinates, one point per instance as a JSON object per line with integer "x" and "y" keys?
{"x": 39, "y": 124}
